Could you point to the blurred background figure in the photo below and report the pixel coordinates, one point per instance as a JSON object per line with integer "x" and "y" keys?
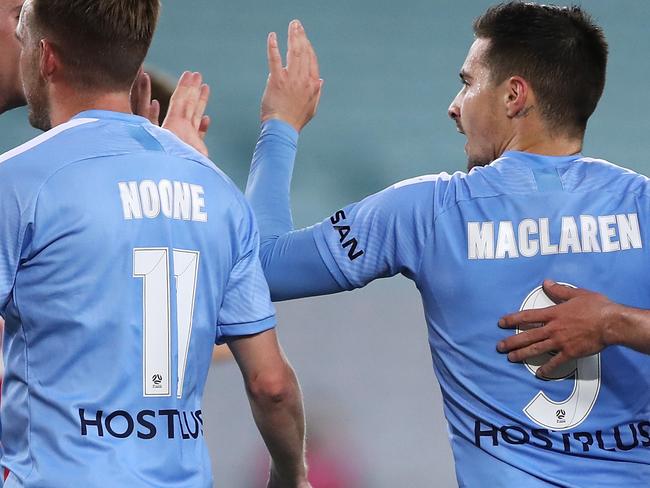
{"x": 162, "y": 87}
{"x": 390, "y": 70}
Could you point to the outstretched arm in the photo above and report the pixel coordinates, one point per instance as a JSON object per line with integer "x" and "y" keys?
{"x": 583, "y": 323}
{"x": 382, "y": 235}
{"x": 291, "y": 261}
{"x": 276, "y": 403}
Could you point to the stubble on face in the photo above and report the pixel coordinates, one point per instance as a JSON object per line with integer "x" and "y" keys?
{"x": 474, "y": 108}
{"x": 34, "y": 85}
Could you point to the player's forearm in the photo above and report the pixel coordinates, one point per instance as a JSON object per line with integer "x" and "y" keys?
{"x": 628, "y": 326}
{"x": 278, "y": 412}
{"x": 269, "y": 181}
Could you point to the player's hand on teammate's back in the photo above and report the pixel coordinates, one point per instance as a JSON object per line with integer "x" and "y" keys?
{"x": 186, "y": 115}
{"x": 292, "y": 93}
{"x": 575, "y": 328}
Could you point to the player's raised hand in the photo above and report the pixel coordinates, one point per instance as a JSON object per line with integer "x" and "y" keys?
{"x": 293, "y": 91}
{"x": 186, "y": 115}
{"x": 575, "y": 328}
{"x": 141, "y": 102}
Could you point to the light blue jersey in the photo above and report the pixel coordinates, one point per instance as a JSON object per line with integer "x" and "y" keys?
{"x": 124, "y": 256}
{"x": 478, "y": 246}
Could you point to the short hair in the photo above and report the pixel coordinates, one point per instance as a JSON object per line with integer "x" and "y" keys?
{"x": 560, "y": 51}
{"x": 102, "y": 42}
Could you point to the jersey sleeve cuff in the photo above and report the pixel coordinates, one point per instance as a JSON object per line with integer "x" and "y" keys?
{"x": 328, "y": 259}
{"x": 224, "y": 332}
{"x": 277, "y": 127}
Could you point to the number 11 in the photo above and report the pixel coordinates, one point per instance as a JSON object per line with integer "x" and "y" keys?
{"x": 152, "y": 264}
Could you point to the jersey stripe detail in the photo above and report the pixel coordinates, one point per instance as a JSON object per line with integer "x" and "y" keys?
{"x": 44, "y": 137}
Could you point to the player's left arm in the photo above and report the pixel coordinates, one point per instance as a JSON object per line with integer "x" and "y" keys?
{"x": 374, "y": 238}
{"x": 246, "y": 323}
{"x": 583, "y": 323}
{"x": 276, "y": 403}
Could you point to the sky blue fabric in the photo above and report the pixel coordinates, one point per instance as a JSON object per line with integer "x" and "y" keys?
{"x": 124, "y": 255}
{"x": 478, "y": 246}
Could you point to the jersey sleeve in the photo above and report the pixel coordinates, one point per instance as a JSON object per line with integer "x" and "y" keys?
{"x": 382, "y": 235}
{"x": 246, "y": 308}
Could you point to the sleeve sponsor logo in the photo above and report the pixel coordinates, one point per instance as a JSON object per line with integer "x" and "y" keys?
{"x": 347, "y": 241}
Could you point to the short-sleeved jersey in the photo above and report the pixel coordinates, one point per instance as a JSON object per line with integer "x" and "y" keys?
{"x": 124, "y": 256}
{"x": 478, "y": 246}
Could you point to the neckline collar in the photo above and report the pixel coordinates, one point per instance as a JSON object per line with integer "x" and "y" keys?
{"x": 110, "y": 115}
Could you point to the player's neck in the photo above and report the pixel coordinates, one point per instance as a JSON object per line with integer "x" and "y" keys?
{"x": 66, "y": 105}
{"x": 544, "y": 143}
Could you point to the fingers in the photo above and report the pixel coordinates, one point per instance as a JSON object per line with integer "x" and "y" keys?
{"x": 531, "y": 351}
{"x": 546, "y": 370}
{"x": 204, "y": 126}
{"x": 561, "y": 293}
{"x": 273, "y": 55}
{"x": 141, "y": 95}
{"x": 314, "y": 69}
{"x": 154, "y": 112}
{"x": 318, "y": 95}
{"x": 297, "y": 53}
{"x": 189, "y": 97}
{"x": 526, "y": 317}
{"x": 523, "y": 339}
{"x": 201, "y": 104}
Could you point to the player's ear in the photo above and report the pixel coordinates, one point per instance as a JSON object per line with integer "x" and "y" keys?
{"x": 49, "y": 59}
{"x": 517, "y": 94}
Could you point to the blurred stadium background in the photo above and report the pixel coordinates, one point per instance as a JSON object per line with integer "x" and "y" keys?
{"x": 391, "y": 71}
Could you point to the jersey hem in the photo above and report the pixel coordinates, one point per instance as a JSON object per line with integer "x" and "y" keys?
{"x": 224, "y": 332}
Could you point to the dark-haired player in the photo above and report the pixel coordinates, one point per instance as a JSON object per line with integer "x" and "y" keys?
{"x": 478, "y": 245}
{"x": 124, "y": 256}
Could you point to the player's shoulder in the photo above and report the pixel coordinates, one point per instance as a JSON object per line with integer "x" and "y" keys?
{"x": 174, "y": 147}
{"x": 436, "y": 191}
{"x": 598, "y": 174}
{"x": 37, "y": 159}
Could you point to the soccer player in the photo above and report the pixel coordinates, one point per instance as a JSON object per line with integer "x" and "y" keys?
{"x": 478, "y": 245}
{"x": 124, "y": 256}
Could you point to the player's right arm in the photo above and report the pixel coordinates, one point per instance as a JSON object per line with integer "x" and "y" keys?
{"x": 246, "y": 323}
{"x": 276, "y": 403}
{"x": 583, "y": 323}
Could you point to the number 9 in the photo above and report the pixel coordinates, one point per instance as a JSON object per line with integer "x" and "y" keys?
{"x": 571, "y": 412}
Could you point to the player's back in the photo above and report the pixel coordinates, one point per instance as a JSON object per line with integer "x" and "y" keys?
{"x": 498, "y": 232}
{"x": 130, "y": 244}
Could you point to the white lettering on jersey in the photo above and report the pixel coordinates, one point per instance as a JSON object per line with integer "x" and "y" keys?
{"x": 480, "y": 240}
{"x": 603, "y": 233}
{"x": 174, "y": 199}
